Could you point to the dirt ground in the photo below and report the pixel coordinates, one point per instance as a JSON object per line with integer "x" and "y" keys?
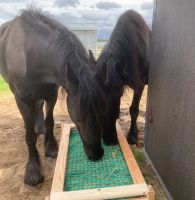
{"x": 13, "y": 150}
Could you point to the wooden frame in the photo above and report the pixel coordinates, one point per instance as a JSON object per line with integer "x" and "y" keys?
{"x": 137, "y": 191}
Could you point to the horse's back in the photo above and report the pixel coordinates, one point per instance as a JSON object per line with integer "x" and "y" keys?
{"x": 128, "y": 47}
{"x": 134, "y": 26}
{"x": 27, "y": 62}
{"x": 136, "y": 32}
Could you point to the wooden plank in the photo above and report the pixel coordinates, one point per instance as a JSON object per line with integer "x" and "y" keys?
{"x": 151, "y": 193}
{"x": 103, "y": 193}
{"x": 72, "y": 125}
{"x": 145, "y": 197}
{"x": 129, "y": 157}
{"x": 60, "y": 168}
{"x": 132, "y": 198}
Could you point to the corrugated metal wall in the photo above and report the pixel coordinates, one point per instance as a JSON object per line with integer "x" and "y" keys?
{"x": 170, "y": 138}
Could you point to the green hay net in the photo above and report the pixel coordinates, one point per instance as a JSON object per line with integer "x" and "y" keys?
{"x": 82, "y": 173}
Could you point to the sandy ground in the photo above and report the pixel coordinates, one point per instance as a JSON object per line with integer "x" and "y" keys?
{"x": 13, "y": 150}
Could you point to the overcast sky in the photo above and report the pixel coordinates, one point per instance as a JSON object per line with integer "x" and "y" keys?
{"x": 102, "y": 13}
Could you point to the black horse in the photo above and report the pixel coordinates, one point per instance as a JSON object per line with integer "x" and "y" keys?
{"x": 37, "y": 55}
{"x": 123, "y": 62}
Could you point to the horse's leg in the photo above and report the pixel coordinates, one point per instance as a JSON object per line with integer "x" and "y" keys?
{"x": 51, "y": 147}
{"x": 33, "y": 175}
{"x": 39, "y": 118}
{"x": 132, "y": 136}
{"x": 109, "y": 133}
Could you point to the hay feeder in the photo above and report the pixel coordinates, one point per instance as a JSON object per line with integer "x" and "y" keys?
{"x": 106, "y": 179}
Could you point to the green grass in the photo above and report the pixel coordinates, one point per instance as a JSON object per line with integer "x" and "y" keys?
{"x": 4, "y": 88}
{"x": 139, "y": 156}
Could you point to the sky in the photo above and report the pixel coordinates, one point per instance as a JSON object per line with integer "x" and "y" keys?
{"x": 102, "y": 13}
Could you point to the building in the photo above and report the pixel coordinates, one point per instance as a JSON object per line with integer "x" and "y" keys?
{"x": 87, "y": 34}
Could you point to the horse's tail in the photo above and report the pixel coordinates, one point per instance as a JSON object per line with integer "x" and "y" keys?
{"x": 39, "y": 118}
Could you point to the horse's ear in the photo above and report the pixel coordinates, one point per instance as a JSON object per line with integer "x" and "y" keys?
{"x": 92, "y": 60}
{"x": 72, "y": 80}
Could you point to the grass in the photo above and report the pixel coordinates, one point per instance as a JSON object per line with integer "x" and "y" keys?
{"x": 139, "y": 156}
{"x": 4, "y": 88}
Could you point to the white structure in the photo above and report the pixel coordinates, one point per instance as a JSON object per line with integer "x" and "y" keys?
{"x": 87, "y": 34}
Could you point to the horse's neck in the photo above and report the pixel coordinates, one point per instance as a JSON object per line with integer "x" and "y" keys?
{"x": 79, "y": 66}
{"x": 76, "y": 58}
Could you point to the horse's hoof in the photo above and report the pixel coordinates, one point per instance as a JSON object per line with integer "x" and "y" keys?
{"x": 132, "y": 140}
{"x": 96, "y": 156}
{"x": 49, "y": 159}
{"x": 51, "y": 151}
{"x": 33, "y": 175}
{"x": 51, "y": 154}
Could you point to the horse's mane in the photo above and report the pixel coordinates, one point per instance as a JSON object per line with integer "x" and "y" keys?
{"x": 91, "y": 97}
{"x": 130, "y": 35}
{"x": 73, "y": 53}
{"x": 127, "y": 44}
{"x": 62, "y": 36}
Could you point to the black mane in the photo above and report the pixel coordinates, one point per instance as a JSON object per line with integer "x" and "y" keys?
{"x": 61, "y": 37}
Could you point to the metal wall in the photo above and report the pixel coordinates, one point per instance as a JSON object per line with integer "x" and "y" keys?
{"x": 170, "y": 127}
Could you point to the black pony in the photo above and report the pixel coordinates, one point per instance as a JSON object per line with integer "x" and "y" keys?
{"x": 37, "y": 55}
{"x": 123, "y": 62}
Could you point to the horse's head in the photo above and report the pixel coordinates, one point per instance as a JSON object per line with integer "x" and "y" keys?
{"x": 107, "y": 74}
{"x": 84, "y": 101}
